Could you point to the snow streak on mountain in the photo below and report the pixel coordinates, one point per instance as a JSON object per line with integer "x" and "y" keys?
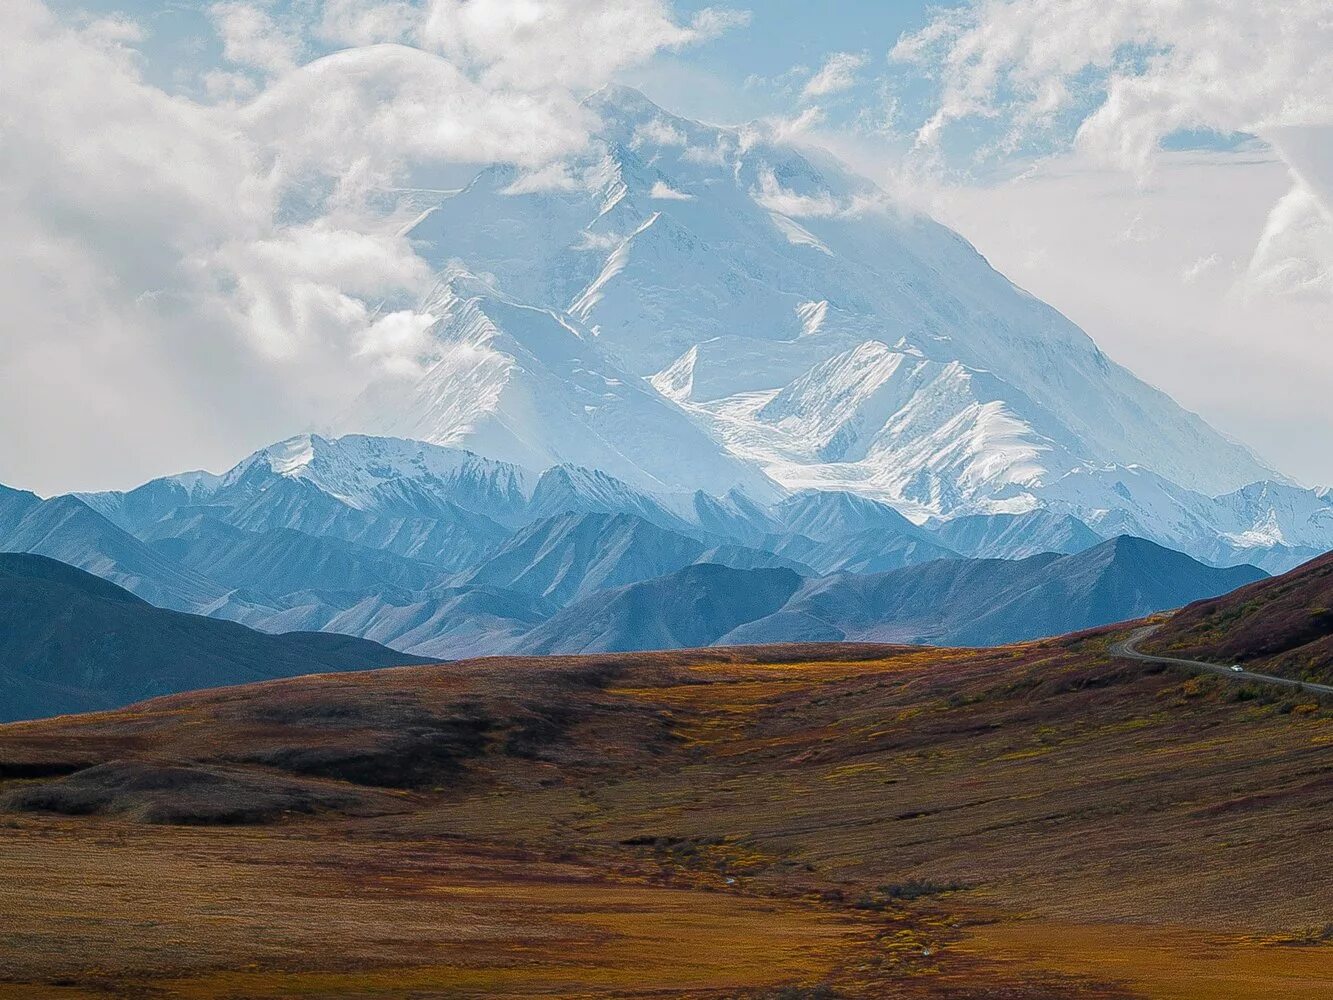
{"x": 693, "y": 307}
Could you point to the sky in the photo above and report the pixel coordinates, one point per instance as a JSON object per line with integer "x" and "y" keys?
{"x": 203, "y": 254}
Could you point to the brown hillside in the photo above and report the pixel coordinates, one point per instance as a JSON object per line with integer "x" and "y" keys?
{"x": 1029, "y": 822}
{"x": 1282, "y": 626}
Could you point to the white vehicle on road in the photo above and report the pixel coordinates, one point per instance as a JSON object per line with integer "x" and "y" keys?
{"x": 1238, "y": 668}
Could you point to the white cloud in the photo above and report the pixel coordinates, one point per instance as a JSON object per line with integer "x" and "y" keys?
{"x": 187, "y": 280}
{"x": 362, "y": 113}
{"x": 1200, "y": 267}
{"x": 776, "y": 198}
{"x": 535, "y": 44}
{"x": 816, "y": 204}
{"x": 836, "y": 75}
{"x": 356, "y": 22}
{"x": 1159, "y": 66}
{"x": 657, "y": 132}
{"x": 251, "y": 38}
{"x": 225, "y": 86}
{"x": 114, "y": 30}
{"x": 1133, "y": 72}
{"x": 1294, "y": 255}
{"x": 716, "y": 155}
{"x": 665, "y": 192}
{"x": 552, "y": 177}
{"x": 783, "y": 130}
{"x": 712, "y": 22}
{"x": 1139, "y": 231}
{"x": 1179, "y": 309}
{"x": 1295, "y": 251}
{"x": 399, "y": 341}
{"x": 307, "y": 291}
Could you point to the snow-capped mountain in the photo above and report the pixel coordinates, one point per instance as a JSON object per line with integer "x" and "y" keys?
{"x": 686, "y": 299}
{"x": 440, "y": 552}
{"x": 529, "y": 385}
{"x": 1275, "y": 526}
{"x": 694, "y": 344}
{"x": 691, "y": 307}
{"x": 370, "y": 472}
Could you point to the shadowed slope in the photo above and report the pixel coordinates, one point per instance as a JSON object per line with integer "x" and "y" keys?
{"x": 568, "y": 556}
{"x": 696, "y": 606}
{"x": 72, "y": 642}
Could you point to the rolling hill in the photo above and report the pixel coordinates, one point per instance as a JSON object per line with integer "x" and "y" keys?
{"x": 1040, "y": 822}
{"x": 72, "y": 642}
{"x": 1282, "y": 626}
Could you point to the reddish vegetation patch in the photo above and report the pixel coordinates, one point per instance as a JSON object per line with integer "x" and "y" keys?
{"x": 1282, "y": 626}
{"x": 788, "y": 822}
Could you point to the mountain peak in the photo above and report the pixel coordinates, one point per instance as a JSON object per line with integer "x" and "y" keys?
{"x": 687, "y": 310}
{"x": 619, "y": 100}
{"x": 353, "y": 468}
{"x": 287, "y": 457}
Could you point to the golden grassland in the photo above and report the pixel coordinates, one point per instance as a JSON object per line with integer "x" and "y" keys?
{"x": 1037, "y": 821}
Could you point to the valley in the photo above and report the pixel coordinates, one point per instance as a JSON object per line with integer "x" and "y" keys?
{"x": 793, "y": 821}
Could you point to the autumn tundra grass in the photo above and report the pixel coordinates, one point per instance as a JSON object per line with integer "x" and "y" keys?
{"x": 842, "y": 821}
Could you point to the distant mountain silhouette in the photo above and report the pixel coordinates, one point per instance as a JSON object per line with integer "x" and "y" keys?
{"x": 72, "y": 642}
{"x": 985, "y": 602}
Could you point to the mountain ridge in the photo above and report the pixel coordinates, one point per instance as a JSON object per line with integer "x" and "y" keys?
{"x": 961, "y": 602}
{"x": 73, "y": 642}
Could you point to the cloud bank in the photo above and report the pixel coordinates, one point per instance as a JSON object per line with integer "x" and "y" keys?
{"x": 187, "y": 276}
{"x": 1132, "y": 73}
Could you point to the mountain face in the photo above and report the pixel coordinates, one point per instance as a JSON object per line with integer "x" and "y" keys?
{"x": 440, "y": 552}
{"x": 734, "y": 341}
{"x": 696, "y": 305}
{"x": 870, "y": 551}
{"x": 71, "y": 642}
{"x": 531, "y": 385}
{"x": 67, "y": 529}
{"x": 1016, "y": 536}
{"x": 570, "y": 556}
{"x": 971, "y": 602}
{"x": 365, "y": 533}
{"x": 568, "y": 489}
{"x": 447, "y": 623}
{"x": 1120, "y": 579}
{"x": 284, "y": 560}
{"x": 705, "y": 389}
{"x": 14, "y": 506}
{"x": 370, "y": 473}
{"x": 834, "y": 515}
{"x": 695, "y": 606}
{"x": 268, "y": 544}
